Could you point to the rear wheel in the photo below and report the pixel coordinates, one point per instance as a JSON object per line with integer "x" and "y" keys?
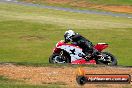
{"x": 108, "y": 59}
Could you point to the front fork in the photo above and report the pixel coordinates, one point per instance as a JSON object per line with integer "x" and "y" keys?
{"x": 62, "y": 56}
{"x": 61, "y": 53}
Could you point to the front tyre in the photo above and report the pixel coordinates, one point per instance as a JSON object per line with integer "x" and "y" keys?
{"x": 55, "y": 58}
{"x": 109, "y": 59}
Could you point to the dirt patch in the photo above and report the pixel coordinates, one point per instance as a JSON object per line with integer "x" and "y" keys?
{"x": 114, "y": 8}
{"x": 58, "y": 1}
{"x": 63, "y": 76}
{"x": 127, "y": 9}
{"x": 86, "y": 4}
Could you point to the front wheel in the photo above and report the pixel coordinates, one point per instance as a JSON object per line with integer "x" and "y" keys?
{"x": 108, "y": 59}
{"x": 57, "y": 58}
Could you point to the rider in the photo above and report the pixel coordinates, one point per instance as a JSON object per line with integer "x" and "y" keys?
{"x": 77, "y": 39}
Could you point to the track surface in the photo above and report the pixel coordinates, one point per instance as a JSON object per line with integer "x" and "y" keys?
{"x": 62, "y": 76}
{"x": 69, "y": 9}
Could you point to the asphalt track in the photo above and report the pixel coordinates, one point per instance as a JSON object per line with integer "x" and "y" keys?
{"x": 129, "y": 16}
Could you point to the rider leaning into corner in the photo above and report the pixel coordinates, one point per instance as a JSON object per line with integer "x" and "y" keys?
{"x": 82, "y": 42}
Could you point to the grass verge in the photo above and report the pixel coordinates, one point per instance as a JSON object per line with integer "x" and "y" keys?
{"x": 9, "y": 83}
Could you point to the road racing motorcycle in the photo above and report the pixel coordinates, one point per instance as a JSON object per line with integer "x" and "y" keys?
{"x": 70, "y": 53}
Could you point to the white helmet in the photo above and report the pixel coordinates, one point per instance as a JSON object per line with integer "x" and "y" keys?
{"x": 68, "y": 35}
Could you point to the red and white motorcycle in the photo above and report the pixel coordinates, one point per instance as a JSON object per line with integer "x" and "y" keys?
{"x": 70, "y": 53}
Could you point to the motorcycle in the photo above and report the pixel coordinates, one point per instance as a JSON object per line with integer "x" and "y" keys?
{"x": 70, "y": 53}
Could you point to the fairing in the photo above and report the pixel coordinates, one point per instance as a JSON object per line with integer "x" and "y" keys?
{"x": 100, "y": 46}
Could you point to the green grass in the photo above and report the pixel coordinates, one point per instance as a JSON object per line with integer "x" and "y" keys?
{"x": 26, "y": 86}
{"x": 28, "y": 34}
{"x": 11, "y": 83}
{"x": 111, "y": 2}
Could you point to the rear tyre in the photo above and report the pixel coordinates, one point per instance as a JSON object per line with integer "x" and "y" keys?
{"x": 110, "y": 59}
